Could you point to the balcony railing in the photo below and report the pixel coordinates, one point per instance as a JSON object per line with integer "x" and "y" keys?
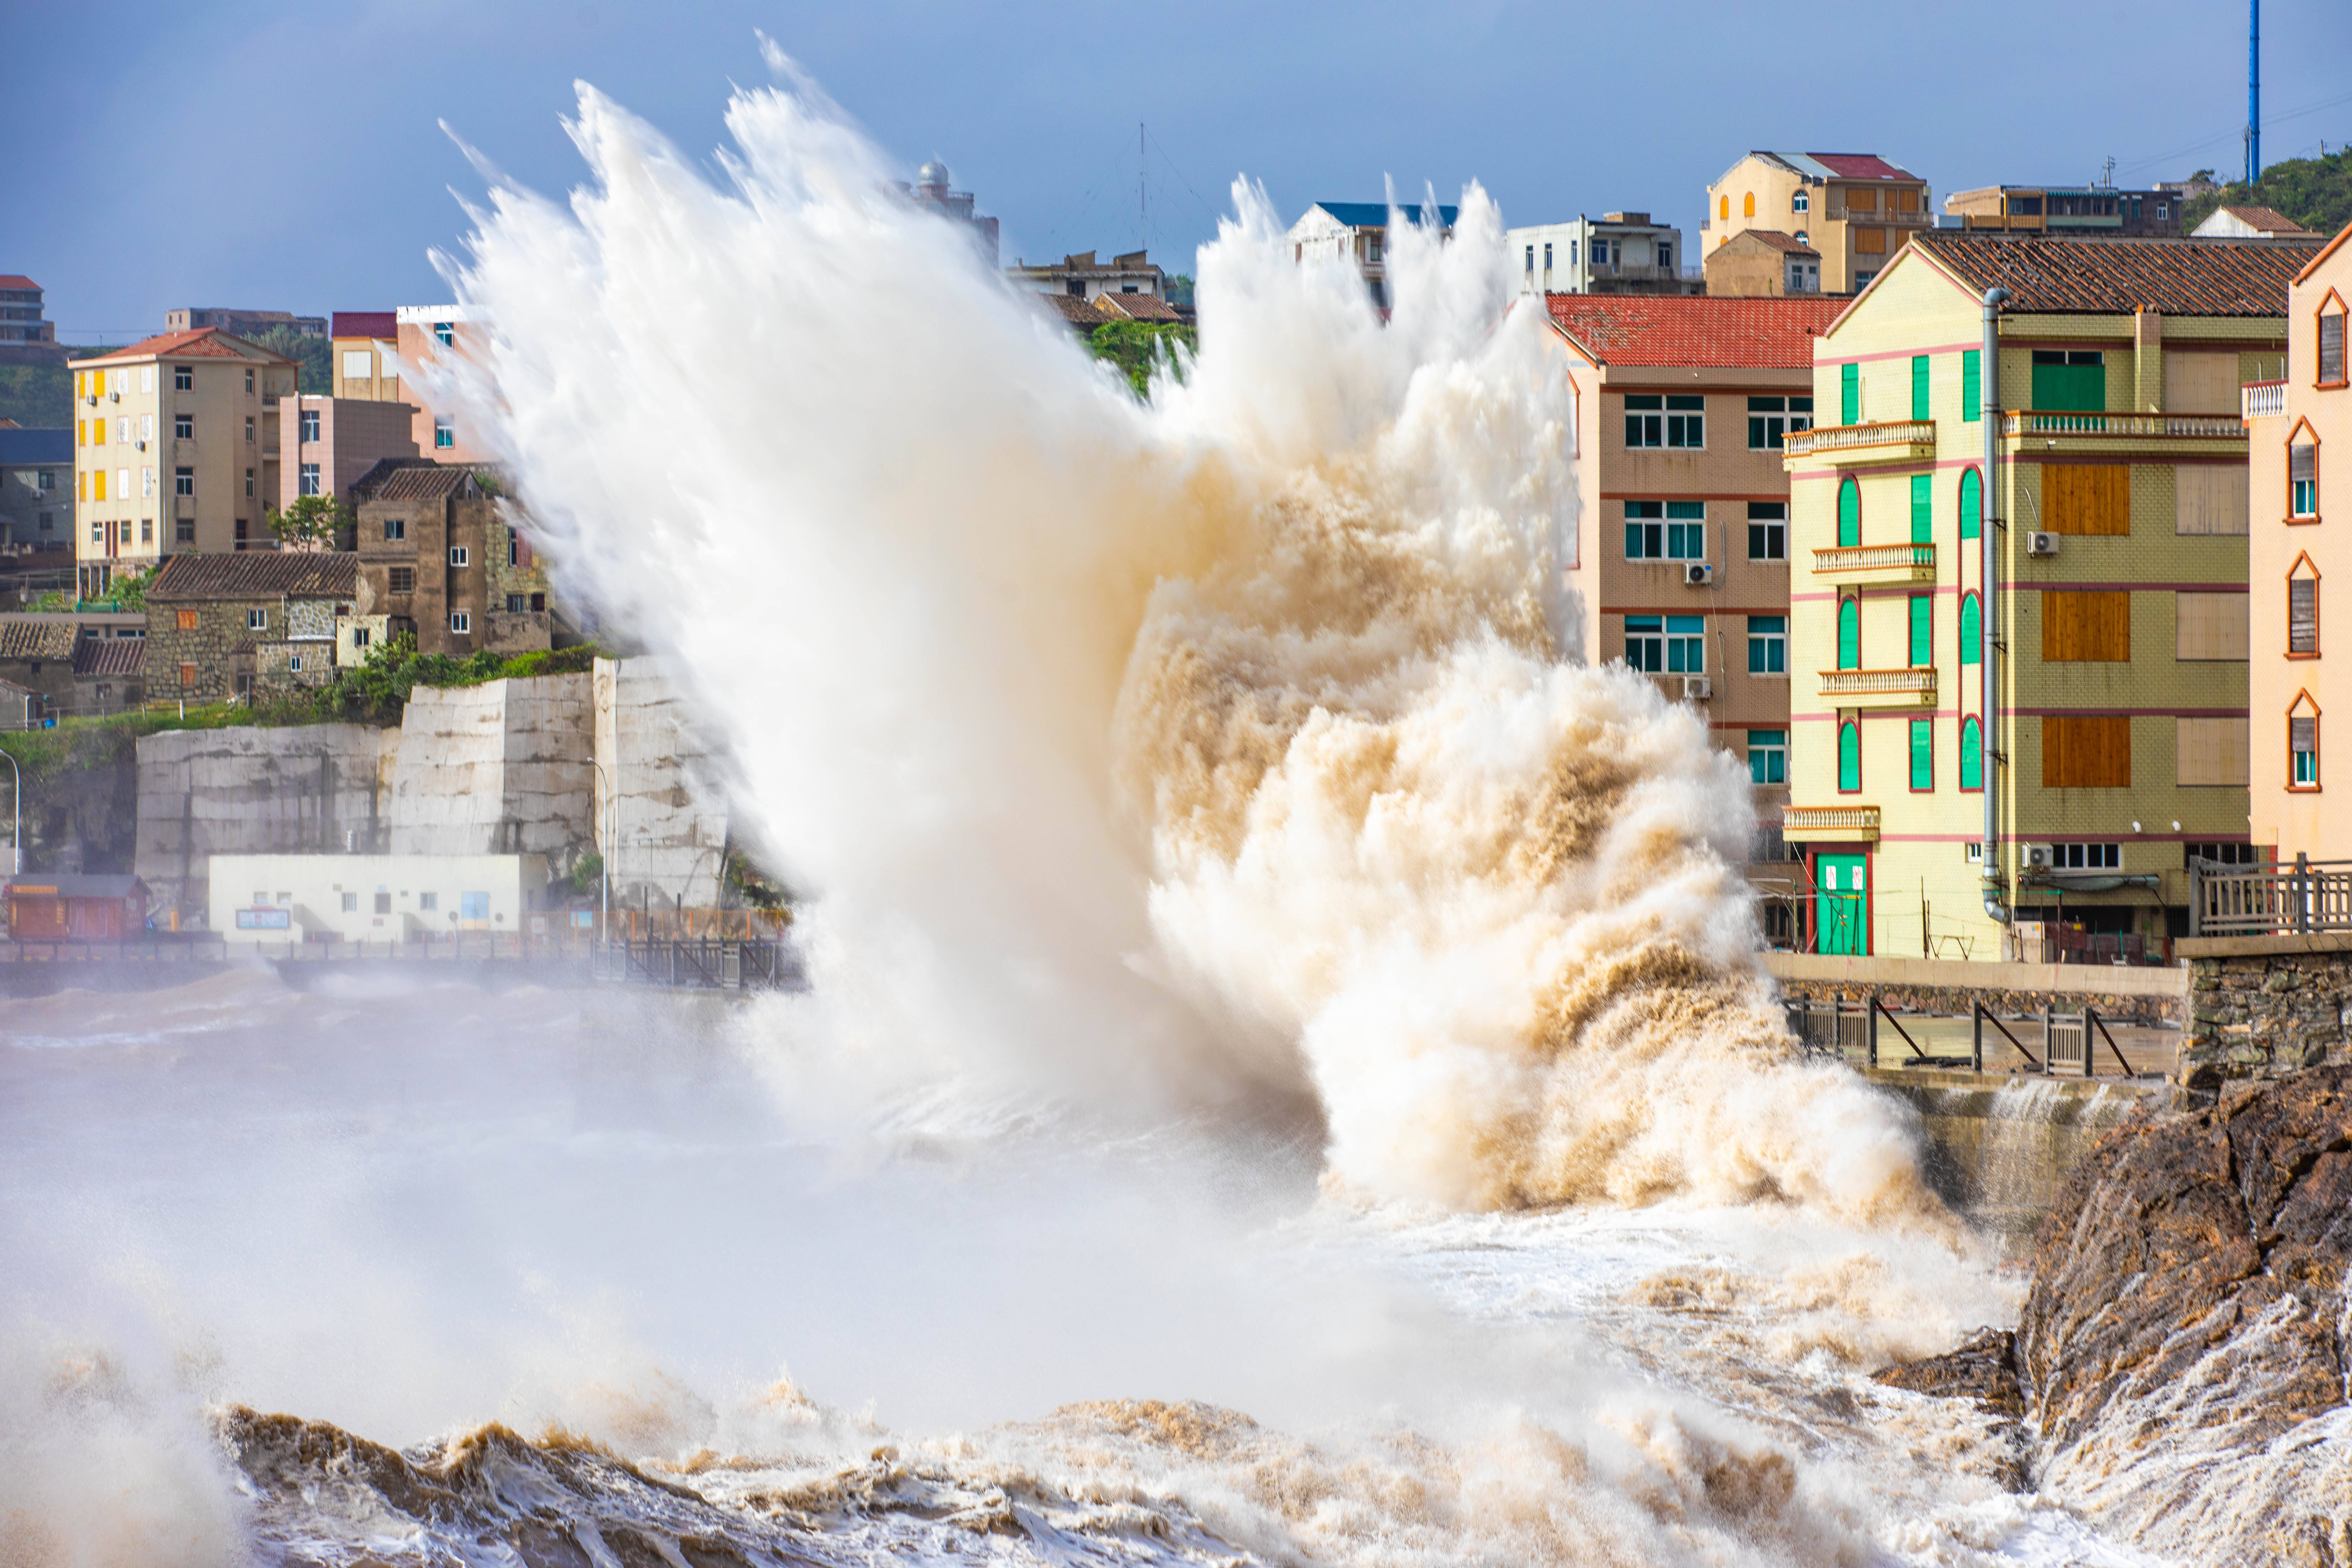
{"x": 2261, "y": 399}
{"x": 1837, "y": 211}
{"x": 1852, "y": 562}
{"x": 1882, "y": 438}
{"x": 1815, "y": 821}
{"x": 2129, "y": 427}
{"x": 1915, "y": 684}
{"x": 2307, "y": 896}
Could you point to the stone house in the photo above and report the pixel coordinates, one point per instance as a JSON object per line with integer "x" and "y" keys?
{"x": 216, "y": 621}
{"x": 77, "y": 662}
{"x": 443, "y": 557}
{"x": 1763, "y": 263}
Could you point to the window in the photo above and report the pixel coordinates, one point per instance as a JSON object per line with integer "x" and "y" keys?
{"x": 1645, "y": 647}
{"x": 1869, "y": 242}
{"x": 1685, "y": 421}
{"x": 2086, "y": 857}
{"x": 1849, "y": 635}
{"x": 1849, "y": 394}
{"x": 183, "y": 481}
{"x": 428, "y": 902}
{"x": 1666, "y": 256}
{"x": 1923, "y": 755}
{"x": 2331, "y": 343}
{"x": 240, "y": 534}
{"x": 309, "y": 424}
{"x": 1971, "y": 504}
{"x": 1923, "y": 508}
{"x": 351, "y": 903}
{"x": 1770, "y": 420}
{"x": 1645, "y": 531}
{"x": 1768, "y": 531}
{"x": 1972, "y": 384}
{"x": 2221, "y": 854}
{"x": 443, "y": 335}
{"x": 445, "y": 431}
{"x": 1686, "y": 531}
{"x": 1723, "y": 206}
{"x": 183, "y": 378}
{"x": 357, "y": 364}
{"x": 294, "y": 663}
{"x": 2209, "y": 626}
{"x": 2070, "y": 380}
{"x": 248, "y": 481}
{"x": 395, "y": 528}
{"x": 2088, "y": 498}
{"x": 2086, "y": 751}
{"x": 1546, "y": 256}
{"x": 359, "y": 637}
{"x": 46, "y": 480}
{"x": 1849, "y": 514}
{"x": 183, "y": 530}
{"x": 459, "y": 555}
{"x": 248, "y": 383}
{"x": 1747, "y": 205}
{"x": 1532, "y": 258}
{"x": 1801, "y": 202}
{"x": 184, "y": 426}
{"x": 2086, "y": 628}
{"x": 400, "y": 580}
{"x": 514, "y": 549}
{"x": 2302, "y": 743}
{"x": 96, "y": 531}
{"x": 1922, "y": 407}
{"x": 185, "y": 620}
{"x": 2303, "y": 609}
{"x": 2211, "y": 752}
{"x": 1922, "y": 630}
{"x": 257, "y": 620}
{"x": 1767, "y": 756}
{"x": 1972, "y": 754}
{"x": 2303, "y": 480}
{"x": 1645, "y": 424}
{"x": 461, "y": 622}
{"x": 187, "y": 675}
{"x": 147, "y": 482}
{"x": 514, "y": 603}
{"x": 146, "y": 530}
{"x": 1971, "y": 629}
{"x": 310, "y": 480}
{"x": 1686, "y": 645}
{"x": 1768, "y": 645}
{"x": 1849, "y": 758}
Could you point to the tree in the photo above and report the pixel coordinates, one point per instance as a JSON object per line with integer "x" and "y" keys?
{"x": 1136, "y": 346}
{"x": 315, "y": 355}
{"x": 2315, "y": 192}
{"x": 312, "y": 520}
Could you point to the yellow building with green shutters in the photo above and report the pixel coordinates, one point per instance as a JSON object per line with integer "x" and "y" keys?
{"x": 2119, "y": 505}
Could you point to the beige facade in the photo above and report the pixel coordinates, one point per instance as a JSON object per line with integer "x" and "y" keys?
{"x": 1761, "y": 264}
{"x": 1855, "y": 208}
{"x": 2299, "y": 498}
{"x": 177, "y": 448}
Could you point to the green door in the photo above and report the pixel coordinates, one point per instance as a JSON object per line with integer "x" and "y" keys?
{"x": 1841, "y": 903}
{"x": 2070, "y": 380}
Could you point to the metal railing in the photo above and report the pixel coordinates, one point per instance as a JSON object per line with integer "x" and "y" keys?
{"x": 1920, "y": 681}
{"x": 1851, "y": 437}
{"x": 2130, "y": 426}
{"x": 2261, "y": 399}
{"x": 1872, "y": 558}
{"x": 1829, "y": 818}
{"x": 1835, "y": 212}
{"x": 2262, "y": 900}
{"x": 697, "y": 965}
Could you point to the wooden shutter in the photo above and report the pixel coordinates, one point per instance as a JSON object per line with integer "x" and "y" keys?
{"x": 2209, "y": 499}
{"x": 1923, "y": 508}
{"x": 2302, "y": 734}
{"x": 2303, "y": 615}
{"x": 2086, "y": 498}
{"x": 1849, "y": 634}
{"x": 2085, "y": 751}
{"x": 2302, "y": 462}
{"x": 2209, "y": 626}
{"x": 2331, "y": 348}
{"x": 2086, "y": 628}
{"x": 1849, "y": 394}
{"x": 1972, "y": 384}
{"x": 1922, "y": 630}
{"x": 2200, "y": 382}
{"x": 1849, "y": 514}
{"x": 1971, "y": 629}
{"x": 1922, "y": 407}
{"x": 2211, "y": 752}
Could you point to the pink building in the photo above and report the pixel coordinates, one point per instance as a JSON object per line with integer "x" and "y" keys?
{"x": 330, "y": 442}
{"x": 432, "y": 334}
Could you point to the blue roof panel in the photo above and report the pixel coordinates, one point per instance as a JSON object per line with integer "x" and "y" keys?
{"x": 19, "y": 447}
{"x": 1375, "y": 214}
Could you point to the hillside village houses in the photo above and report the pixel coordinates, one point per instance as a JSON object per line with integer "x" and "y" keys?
{"x": 1855, "y": 208}
{"x": 1618, "y": 253}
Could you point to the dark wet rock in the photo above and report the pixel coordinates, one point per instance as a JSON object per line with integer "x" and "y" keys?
{"x": 1980, "y": 1370}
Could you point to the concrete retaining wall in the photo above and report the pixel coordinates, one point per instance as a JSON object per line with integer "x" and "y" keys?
{"x": 2263, "y": 1006}
{"x": 496, "y": 769}
{"x": 248, "y": 791}
{"x": 2122, "y": 993}
{"x": 665, "y": 833}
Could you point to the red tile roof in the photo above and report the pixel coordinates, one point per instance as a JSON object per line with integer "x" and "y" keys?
{"x": 1077, "y": 312}
{"x": 2270, "y": 220}
{"x": 17, "y": 280}
{"x": 257, "y": 574}
{"x": 204, "y": 342}
{"x": 1138, "y": 306}
{"x": 1694, "y": 329}
{"x": 1779, "y": 241}
{"x": 382, "y": 324}
{"x": 109, "y": 656}
{"x": 2118, "y": 277}
{"x": 1860, "y": 166}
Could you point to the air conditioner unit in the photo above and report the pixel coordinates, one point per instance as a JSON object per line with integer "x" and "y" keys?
{"x": 1697, "y": 689}
{"x": 1699, "y": 574}
{"x": 141, "y": 445}
{"x": 2042, "y": 544}
{"x": 2034, "y": 856}
{"x": 114, "y": 398}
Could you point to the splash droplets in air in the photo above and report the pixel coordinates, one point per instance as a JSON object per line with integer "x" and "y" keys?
{"x": 1166, "y": 748}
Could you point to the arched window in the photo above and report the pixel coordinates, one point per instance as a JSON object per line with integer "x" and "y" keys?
{"x": 2303, "y": 742}
{"x": 1971, "y": 629}
{"x": 1971, "y": 756}
{"x": 2330, "y": 369}
{"x": 1848, "y": 652}
{"x": 1748, "y": 206}
{"x": 1799, "y": 202}
{"x": 2303, "y": 609}
{"x": 1971, "y": 504}
{"x": 2303, "y": 473}
{"x": 1723, "y": 207}
{"x": 1849, "y": 514}
{"x": 1849, "y": 759}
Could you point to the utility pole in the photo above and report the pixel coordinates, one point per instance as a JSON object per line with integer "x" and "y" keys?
{"x": 1142, "y": 192}
{"x": 2253, "y": 90}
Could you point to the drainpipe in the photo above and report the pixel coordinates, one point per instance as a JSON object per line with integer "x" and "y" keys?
{"x": 1989, "y": 383}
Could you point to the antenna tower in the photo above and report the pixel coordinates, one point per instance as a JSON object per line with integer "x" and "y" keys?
{"x": 2253, "y": 90}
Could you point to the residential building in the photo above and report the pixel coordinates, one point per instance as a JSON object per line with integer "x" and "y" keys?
{"x": 36, "y": 479}
{"x": 175, "y": 449}
{"x": 215, "y": 622}
{"x": 50, "y": 906}
{"x": 1617, "y": 253}
{"x": 1359, "y": 232}
{"x": 245, "y": 323}
{"x": 443, "y": 559}
{"x": 1683, "y": 407}
{"x": 372, "y": 898}
{"x": 2069, "y": 211}
{"x": 1762, "y": 263}
{"x": 336, "y": 440}
{"x": 1081, "y": 276}
{"x": 22, "y": 708}
{"x": 930, "y": 192}
{"x": 77, "y": 663}
{"x": 447, "y": 337}
{"x": 2118, "y": 515}
{"x": 2299, "y": 433}
{"x": 366, "y": 346}
{"x": 20, "y": 311}
{"x": 2250, "y": 223}
{"x": 1138, "y": 307}
{"x": 1855, "y": 208}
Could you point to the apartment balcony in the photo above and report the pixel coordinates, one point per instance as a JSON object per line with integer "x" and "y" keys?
{"x": 1837, "y": 212}
{"x": 2261, "y": 400}
{"x": 2091, "y": 432}
{"x": 1836, "y": 823}
{"x": 1911, "y": 687}
{"x": 1876, "y": 563}
{"x": 1887, "y": 441}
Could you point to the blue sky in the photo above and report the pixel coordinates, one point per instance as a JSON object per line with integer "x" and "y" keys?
{"x": 254, "y": 154}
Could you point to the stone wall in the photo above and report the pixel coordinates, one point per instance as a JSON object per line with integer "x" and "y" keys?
{"x": 666, "y": 834}
{"x": 496, "y": 769}
{"x": 246, "y": 791}
{"x": 2124, "y": 994}
{"x": 2263, "y": 1006}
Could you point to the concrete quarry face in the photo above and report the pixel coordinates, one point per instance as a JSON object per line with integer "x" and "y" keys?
{"x": 663, "y": 830}
{"x": 497, "y": 769}
{"x": 250, "y": 791}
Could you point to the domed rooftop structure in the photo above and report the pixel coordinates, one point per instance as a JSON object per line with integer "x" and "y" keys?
{"x": 934, "y": 173}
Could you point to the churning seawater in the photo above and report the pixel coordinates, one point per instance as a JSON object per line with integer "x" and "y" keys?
{"x": 1285, "y": 1077}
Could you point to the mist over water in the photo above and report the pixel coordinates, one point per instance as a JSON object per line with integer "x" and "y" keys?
{"x": 1254, "y": 964}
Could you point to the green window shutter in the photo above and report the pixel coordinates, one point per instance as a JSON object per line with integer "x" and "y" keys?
{"x": 1849, "y": 634}
{"x": 1922, "y": 630}
{"x": 1849, "y": 394}
{"x": 1920, "y": 403}
{"x": 1923, "y": 508}
{"x": 1923, "y": 753}
{"x": 1971, "y": 505}
{"x": 1971, "y": 629}
{"x": 1849, "y": 514}
{"x": 1972, "y": 384}
{"x": 1849, "y": 758}
{"x": 1971, "y": 756}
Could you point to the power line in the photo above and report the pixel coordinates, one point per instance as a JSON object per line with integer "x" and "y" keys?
{"x": 2234, "y": 135}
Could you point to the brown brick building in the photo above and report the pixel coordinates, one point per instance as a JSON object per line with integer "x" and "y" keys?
{"x": 440, "y": 556}
{"x": 212, "y": 621}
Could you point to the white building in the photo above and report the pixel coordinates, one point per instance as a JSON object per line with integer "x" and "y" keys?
{"x": 1358, "y": 231}
{"x": 1617, "y": 253}
{"x": 1081, "y": 276}
{"x": 371, "y": 898}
